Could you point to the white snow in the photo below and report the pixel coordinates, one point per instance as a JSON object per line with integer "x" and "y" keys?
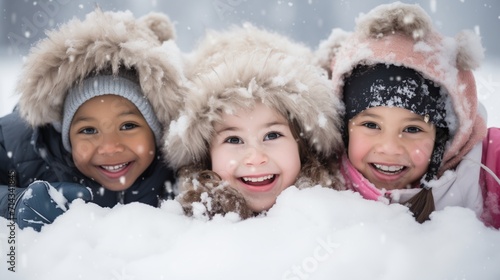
{"x": 58, "y": 197}
{"x": 309, "y": 234}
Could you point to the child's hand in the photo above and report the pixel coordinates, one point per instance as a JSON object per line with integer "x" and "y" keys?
{"x": 41, "y": 203}
{"x": 209, "y": 201}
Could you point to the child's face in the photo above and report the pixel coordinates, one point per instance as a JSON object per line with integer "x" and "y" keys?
{"x": 111, "y": 141}
{"x": 255, "y": 151}
{"x": 391, "y": 147}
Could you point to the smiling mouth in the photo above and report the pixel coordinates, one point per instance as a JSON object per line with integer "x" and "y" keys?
{"x": 115, "y": 168}
{"x": 259, "y": 181}
{"x": 389, "y": 169}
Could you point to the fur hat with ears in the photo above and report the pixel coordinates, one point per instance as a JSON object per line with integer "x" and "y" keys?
{"x": 243, "y": 66}
{"x": 214, "y": 48}
{"x": 402, "y": 35}
{"x": 328, "y": 48}
{"x": 102, "y": 41}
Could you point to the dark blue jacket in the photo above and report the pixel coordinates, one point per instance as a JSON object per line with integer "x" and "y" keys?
{"x": 38, "y": 154}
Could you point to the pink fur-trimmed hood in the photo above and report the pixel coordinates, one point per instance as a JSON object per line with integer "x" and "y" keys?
{"x": 403, "y": 35}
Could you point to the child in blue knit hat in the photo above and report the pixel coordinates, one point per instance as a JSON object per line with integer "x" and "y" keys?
{"x": 94, "y": 99}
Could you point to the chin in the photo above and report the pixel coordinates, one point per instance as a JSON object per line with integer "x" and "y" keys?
{"x": 261, "y": 207}
{"x": 116, "y": 188}
{"x": 392, "y": 187}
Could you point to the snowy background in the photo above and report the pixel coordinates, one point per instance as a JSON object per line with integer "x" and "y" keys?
{"x": 308, "y": 234}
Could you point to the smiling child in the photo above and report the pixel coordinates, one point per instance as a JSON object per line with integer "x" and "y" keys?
{"x": 262, "y": 119}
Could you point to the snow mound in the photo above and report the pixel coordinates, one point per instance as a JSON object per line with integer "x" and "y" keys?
{"x": 314, "y": 233}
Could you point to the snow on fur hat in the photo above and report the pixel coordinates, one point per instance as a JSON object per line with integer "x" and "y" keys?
{"x": 249, "y": 65}
{"x": 216, "y": 46}
{"x": 103, "y": 40}
{"x": 402, "y": 35}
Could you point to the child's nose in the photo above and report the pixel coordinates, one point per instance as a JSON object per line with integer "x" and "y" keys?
{"x": 390, "y": 144}
{"x": 110, "y": 144}
{"x": 255, "y": 156}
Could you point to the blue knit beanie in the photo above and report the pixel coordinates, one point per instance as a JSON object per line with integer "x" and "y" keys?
{"x": 125, "y": 84}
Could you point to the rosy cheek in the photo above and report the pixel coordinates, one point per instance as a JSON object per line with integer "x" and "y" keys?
{"x": 229, "y": 166}
{"x": 140, "y": 149}
{"x": 357, "y": 150}
{"x": 145, "y": 151}
{"x": 421, "y": 154}
{"x": 81, "y": 151}
{"x": 220, "y": 164}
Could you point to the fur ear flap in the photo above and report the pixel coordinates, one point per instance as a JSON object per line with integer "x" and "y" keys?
{"x": 409, "y": 19}
{"x": 470, "y": 52}
{"x": 160, "y": 24}
{"x": 328, "y": 48}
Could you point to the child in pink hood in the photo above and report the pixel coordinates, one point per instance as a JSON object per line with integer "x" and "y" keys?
{"x": 413, "y": 130}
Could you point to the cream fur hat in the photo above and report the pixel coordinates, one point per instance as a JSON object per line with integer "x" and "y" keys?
{"x": 103, "y": 41}
{"x": 243, "y": 66}
{"x": 402, "y": 35}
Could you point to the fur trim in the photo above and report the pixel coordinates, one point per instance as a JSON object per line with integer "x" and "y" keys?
{"x": 410, "y": 20}
{"x": 413, "y": 21}
{"x": 259, "y": 66}
{"x": 102, "y": 40}
{"x": 470, "y": 51}
{"x": 328, "y": 48}
{"x": 214, "y": 48}
{"x": 160, "y": 25}
{"x": 402, "y": 35}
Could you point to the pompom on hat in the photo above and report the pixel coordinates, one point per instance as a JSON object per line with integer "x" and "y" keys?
{"x": 243, "y": 66}
{"x": 402, "y": 35}
{"x": 104, "y": 47}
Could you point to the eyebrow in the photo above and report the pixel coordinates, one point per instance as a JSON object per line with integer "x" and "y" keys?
{"x": 85, "y": 118}
{"x": 367, "y": 114}
{"x": 233, "y": 128}
{"x": 416, "y": 119}
{"x": 413, "y": 118}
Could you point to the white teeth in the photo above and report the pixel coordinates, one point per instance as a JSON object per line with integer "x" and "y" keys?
{"x": 257, "y": 179}
{"x": 113, "y": 168}
{"x": 386, "y": 168}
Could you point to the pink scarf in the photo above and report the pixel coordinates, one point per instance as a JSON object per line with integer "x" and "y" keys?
{"x": 356, "y": 182}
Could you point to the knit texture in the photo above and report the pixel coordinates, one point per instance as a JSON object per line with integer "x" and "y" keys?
{"x": 103, "y": 85}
